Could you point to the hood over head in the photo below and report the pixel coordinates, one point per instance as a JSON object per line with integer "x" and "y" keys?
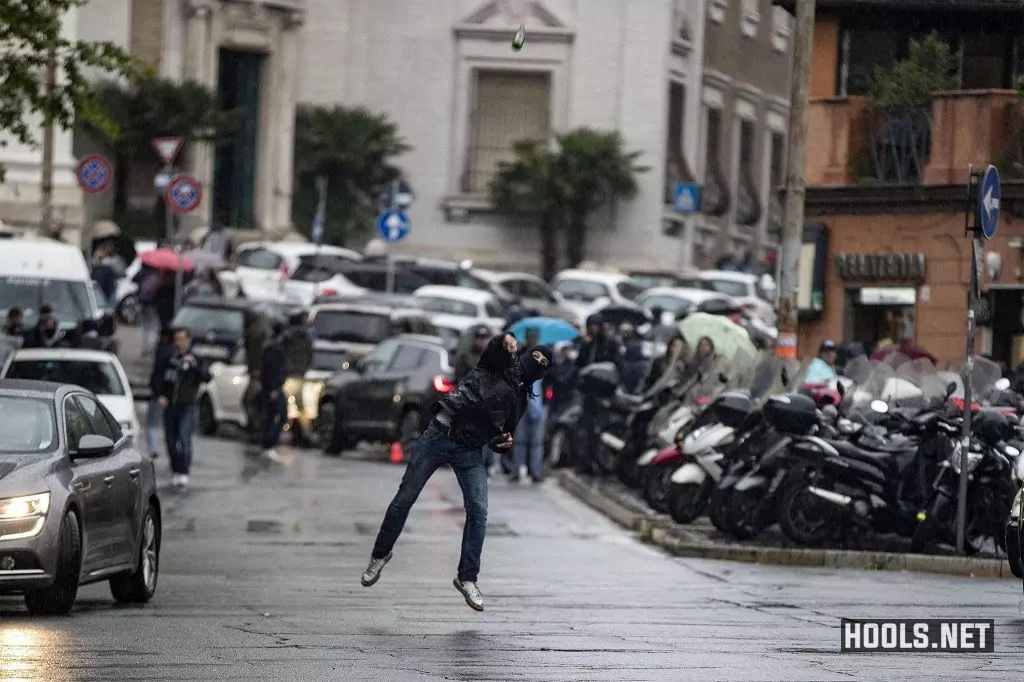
{"x": 532, "y": 369}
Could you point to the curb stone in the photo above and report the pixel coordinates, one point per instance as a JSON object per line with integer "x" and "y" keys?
{"x": 659, "y": 530}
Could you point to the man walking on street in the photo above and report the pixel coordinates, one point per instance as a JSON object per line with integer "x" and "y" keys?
{"x": 180, "y": 376}
{"x": 482, "y": 411}
{"x": 273, "y": 373}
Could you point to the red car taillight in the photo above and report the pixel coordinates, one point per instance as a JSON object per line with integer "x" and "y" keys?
{"x": 549, "y": 393}
{"x": 443, "y": 384}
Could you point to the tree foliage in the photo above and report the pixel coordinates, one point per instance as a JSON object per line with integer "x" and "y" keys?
{"x": 354, "y": 149}
{"x": 562, "y": 187}
{"x": 138, "y": 113}
{"x": 30, "y": 31}
{"x": 909, "y": 84}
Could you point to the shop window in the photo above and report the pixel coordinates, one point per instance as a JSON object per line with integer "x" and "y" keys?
{"x": 984, "y": 60}
{"x": 508, "y": 106}
{"x": 676, "y": 168}
{"x": 748, "y": 204}
{"x": 714, "y": 196}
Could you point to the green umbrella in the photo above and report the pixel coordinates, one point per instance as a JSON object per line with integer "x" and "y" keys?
{"x": 730, "y": 339}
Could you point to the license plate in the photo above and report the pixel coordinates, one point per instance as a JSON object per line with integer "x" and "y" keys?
{"x": 211, "y": 351}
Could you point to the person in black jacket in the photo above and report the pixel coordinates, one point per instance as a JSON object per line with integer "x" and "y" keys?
{"x": 482, "y": 411}
{"x": 179, "y": 377}
{"x": 273, "y": 374}
{"x": 163, "y": 353}
{"x": 596, "y": 347}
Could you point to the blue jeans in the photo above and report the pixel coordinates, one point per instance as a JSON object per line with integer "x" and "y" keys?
{"x": 275, "y": 412}
{"x": 179, "y": 424}
{"x": 529, "y": 439}
{"x": 433, "y": 450}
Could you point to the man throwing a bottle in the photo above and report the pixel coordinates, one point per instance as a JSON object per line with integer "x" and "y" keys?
{"x": 482, "y": 412}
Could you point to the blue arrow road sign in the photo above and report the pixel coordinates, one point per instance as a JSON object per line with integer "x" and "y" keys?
{"x": 393, "y": 226}
{"x": 686, "y": 197}
{"x": 988, "y": 202}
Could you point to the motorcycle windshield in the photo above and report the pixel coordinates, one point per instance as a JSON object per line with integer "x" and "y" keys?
{"x": 982, "y": 378}
{"x": 870, "y": 379}
{"x": 917, "y": 386}
{"x": 772, "y": 375}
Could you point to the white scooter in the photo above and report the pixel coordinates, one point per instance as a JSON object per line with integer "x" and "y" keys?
{"x": 693, "y": 483}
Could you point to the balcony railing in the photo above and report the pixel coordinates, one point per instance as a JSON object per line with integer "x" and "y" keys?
{"x": 849, "y": 144}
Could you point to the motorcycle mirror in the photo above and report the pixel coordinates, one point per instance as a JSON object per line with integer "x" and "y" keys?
{"x": 950, "y": 388}
{"x": 879, "y": 406}
{"x": 1002, "y": 384}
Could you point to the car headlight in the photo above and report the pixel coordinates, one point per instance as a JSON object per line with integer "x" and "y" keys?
{"x": 24, "y": 507}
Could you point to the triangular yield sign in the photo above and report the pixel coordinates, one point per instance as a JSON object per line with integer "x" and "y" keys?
{"x": 167, "y": 148}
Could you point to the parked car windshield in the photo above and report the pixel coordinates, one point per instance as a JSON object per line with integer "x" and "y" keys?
{"x": 69, "y": 299}
{"x": 27, "y": 426}
{"x": 351, "y": 326}
{"x": 728, "y": 287}
{"x": 200, "y": 321}
{"x": 99, "y": 377}
{"x": 647, "y": 281}
{"x": 447, "y": 306}
{"x": 629, "y": 290}
{"x": 328, "y": 361}
{"x": 581, "y": 290}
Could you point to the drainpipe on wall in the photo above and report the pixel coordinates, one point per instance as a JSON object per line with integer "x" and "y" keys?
{"x": 692, "y": 126}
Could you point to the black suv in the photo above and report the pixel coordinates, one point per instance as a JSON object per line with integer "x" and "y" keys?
{"x": 357, "y": 326}
{"x": 217, "y": 325}
{"x": 388, "y": 397}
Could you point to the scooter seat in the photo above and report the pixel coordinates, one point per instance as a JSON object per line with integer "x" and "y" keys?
{"x": 626, "y": 402}
{"x": 892, "y": 458}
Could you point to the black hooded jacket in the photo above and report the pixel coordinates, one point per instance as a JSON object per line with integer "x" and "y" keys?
{"x": 490, "y": 400}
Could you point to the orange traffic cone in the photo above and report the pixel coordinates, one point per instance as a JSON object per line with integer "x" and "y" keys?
{"x": 396, "y": 456}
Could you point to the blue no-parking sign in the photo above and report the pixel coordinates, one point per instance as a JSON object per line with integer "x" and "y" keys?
{"x": 183, "y": 194}
{"x": 95, "y": 173}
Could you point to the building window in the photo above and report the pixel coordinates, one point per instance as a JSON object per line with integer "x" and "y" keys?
{"x": 676, "y": 168}
{"x": 714, "y": 196}
{"x": 748, "y": 204}
{"x": 750, "y": 18}
{"x": 776, "y": 180}
{"x": 508, "y": 106}
{"x": 782, "y": 29}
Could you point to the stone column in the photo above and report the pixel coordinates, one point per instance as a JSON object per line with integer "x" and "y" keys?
{"x": 198, "y": 47}
{"x": 281, "y": 214}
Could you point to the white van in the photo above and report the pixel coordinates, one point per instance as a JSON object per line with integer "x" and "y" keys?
{"x": 36, "y": 272}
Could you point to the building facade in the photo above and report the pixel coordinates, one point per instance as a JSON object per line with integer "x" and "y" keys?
{"x": 886, "y": 254}
{"x": 445, "y": 73}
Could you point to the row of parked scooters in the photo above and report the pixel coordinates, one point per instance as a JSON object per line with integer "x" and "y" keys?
{"x": 877, "y": 450}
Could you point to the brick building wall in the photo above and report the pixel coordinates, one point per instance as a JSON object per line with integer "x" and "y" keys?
{"x": 941, "y": 319}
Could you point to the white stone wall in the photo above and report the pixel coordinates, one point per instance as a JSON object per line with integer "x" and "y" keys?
{"x": 402, "y": 57}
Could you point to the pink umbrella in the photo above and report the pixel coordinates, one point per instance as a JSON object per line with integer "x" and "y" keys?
{"x": 165, "y": 259}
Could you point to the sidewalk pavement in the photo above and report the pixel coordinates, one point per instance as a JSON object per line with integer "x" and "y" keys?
{"x": 703, "y": 541}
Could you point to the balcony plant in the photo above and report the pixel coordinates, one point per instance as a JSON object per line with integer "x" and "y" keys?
{"x": 900, "y": 97}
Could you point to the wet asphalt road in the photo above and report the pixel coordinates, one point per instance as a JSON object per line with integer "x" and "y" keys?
{"x": 260, "y": 580}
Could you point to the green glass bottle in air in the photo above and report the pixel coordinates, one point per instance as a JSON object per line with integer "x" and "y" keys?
{"x": 517, "y": 42}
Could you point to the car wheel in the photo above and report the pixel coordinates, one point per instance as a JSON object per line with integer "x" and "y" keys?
{"x": 128, "y": 310}
{"x": 59, "y": 597}
{"x": 409, "y": 430}
{"x": 139, "y": 586}
{"x": 327, "y": 429}
{"x": 207, "y": 419}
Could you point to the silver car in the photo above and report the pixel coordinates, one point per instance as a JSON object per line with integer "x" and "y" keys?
{"x": 78, "y": 502}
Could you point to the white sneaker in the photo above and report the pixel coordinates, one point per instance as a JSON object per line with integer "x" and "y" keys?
{"x": 373, "y": 569}
{"x": 472, "y": 594}
{"x": 180, "y": 481}
{"x": 273, "y": 455}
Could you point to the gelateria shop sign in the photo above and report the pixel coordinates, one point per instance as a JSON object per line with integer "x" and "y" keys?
{"x": 908, "y": 267}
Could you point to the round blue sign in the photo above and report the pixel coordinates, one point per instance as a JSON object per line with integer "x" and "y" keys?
{"x": 183, "y": 194}
{"x": 393, "y": 226}
{"x": 95, "y": 173}
{"x": 989, "y": 194}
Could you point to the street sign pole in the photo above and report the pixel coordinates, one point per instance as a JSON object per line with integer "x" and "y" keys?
{"x": 395, "y": 188}
{"x": 981, "y": 219}
{"x": 168, "y": 148}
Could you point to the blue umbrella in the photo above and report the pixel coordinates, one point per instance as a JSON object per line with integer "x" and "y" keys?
{"x": 551, "y": 330}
